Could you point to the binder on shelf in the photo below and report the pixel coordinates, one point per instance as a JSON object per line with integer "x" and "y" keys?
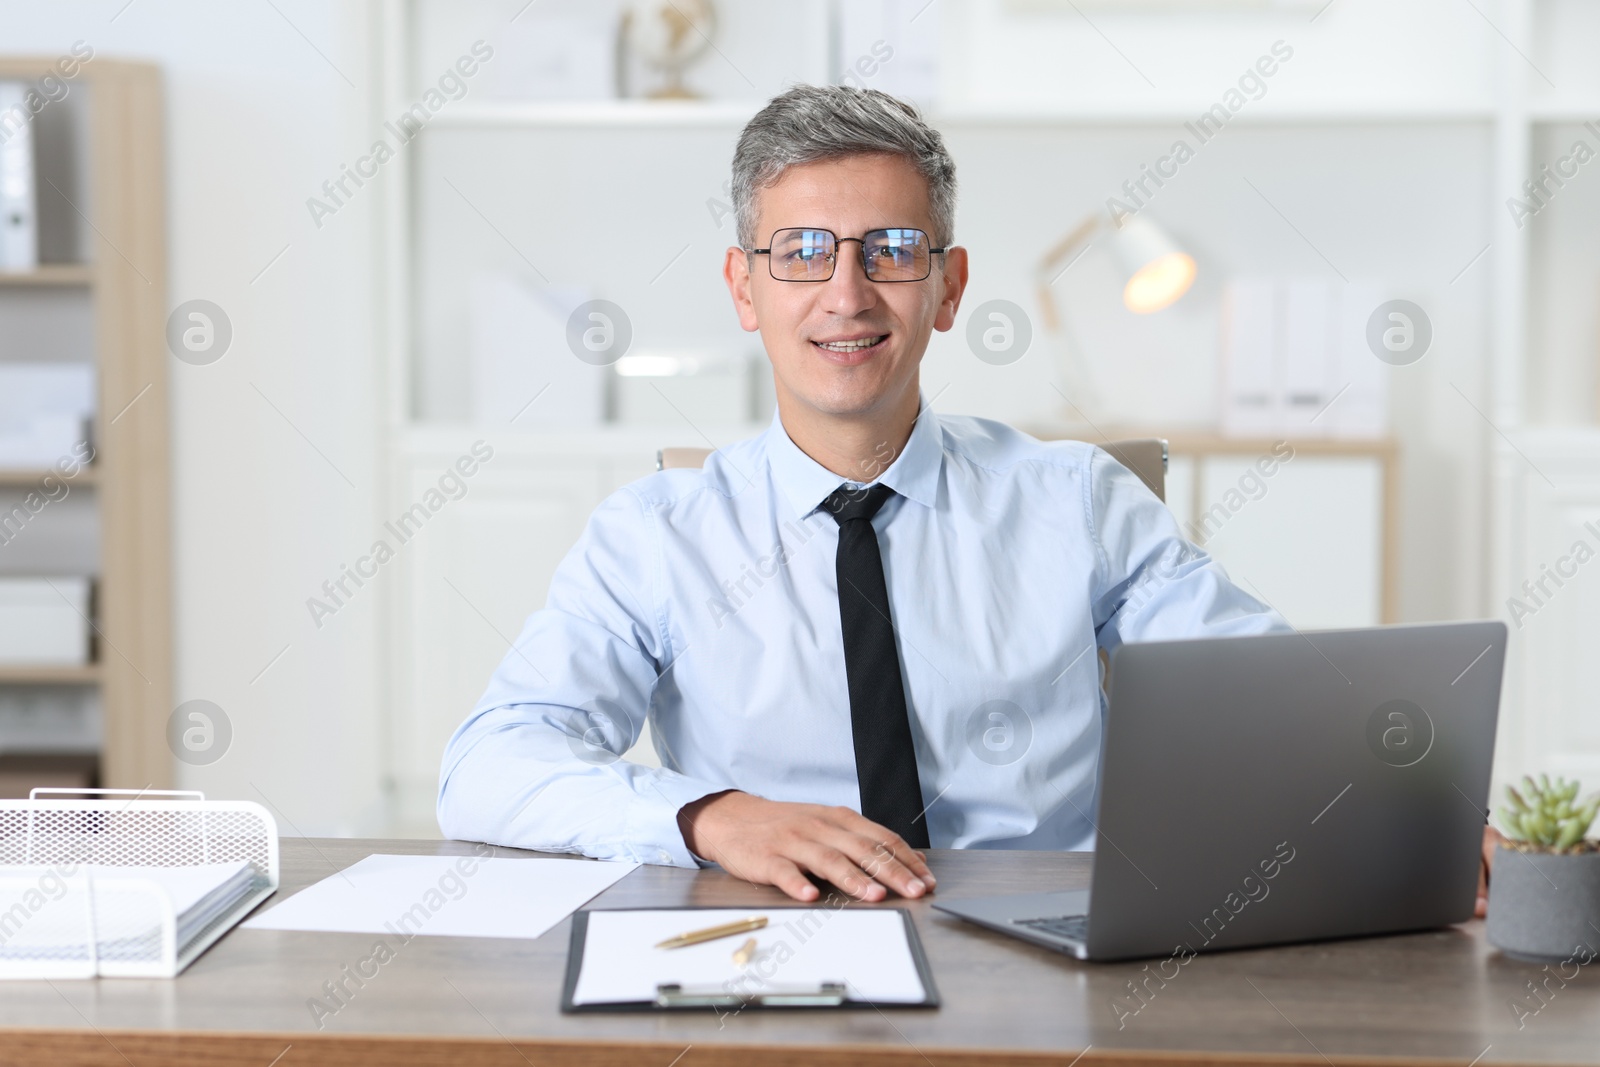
{"x": 1308, "y": 370}
{"x": 19, "y": 201}
{"x": 1252, "y": 393}
{"x": 1363, "y": 409}
{"x": 129, "y": 883}
{"x": 1295, "y": 359}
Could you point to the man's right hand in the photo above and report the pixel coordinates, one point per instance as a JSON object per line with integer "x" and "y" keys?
{"x": 774, "y": 843}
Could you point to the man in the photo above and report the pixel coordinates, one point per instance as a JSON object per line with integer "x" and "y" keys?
{"x": 869, "y": 630}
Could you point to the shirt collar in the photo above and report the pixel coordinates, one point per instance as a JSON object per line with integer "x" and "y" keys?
{"x": 806, "y": 483}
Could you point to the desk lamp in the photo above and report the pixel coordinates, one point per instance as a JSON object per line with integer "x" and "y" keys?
{"x": 1158, "y": 272}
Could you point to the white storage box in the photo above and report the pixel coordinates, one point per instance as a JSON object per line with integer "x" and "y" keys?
{"x": 45, "y": 411}
{"x": 41, "y": 440}
{"x": 44, "y": 620}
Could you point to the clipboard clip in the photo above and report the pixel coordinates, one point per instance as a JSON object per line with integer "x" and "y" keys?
{"x": 675, "y": 995}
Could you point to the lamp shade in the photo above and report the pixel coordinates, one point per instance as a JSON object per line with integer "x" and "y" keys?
{"x": 1158, "y": 271}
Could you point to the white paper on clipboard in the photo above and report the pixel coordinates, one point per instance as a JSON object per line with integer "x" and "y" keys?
{"x": 868, "y": 950}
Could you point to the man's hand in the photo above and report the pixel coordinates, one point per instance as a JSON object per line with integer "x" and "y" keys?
{"x": 1491, "y": 841}
{"x": 774, "y": 843}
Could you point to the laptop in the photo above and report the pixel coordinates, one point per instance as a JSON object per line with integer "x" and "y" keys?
{"x": 1281, "y": 788}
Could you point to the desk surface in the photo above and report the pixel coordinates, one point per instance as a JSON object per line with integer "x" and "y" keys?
{"x": 1443, "y": 997}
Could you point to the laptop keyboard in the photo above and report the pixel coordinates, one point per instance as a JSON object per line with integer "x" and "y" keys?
{"x": 1071, "y": 927}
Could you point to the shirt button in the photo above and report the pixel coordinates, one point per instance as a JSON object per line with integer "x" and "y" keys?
{"x": 665, "y": 856}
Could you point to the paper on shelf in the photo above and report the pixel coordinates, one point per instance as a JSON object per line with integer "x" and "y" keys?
{"x": 453, "y": 896}
{"x": 868, "y": 950}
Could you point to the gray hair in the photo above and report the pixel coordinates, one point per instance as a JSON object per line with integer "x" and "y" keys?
{"x": 815, "y": 123}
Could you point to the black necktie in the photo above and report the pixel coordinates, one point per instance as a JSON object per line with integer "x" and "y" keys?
{"x": 886, "y": 764}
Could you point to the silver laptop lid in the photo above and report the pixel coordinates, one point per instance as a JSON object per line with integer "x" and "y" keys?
{"x": 1293, "y": 787}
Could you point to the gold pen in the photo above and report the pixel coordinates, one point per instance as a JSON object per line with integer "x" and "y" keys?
{"x": 712, "y": 933}
{"x": 745, "y": 952}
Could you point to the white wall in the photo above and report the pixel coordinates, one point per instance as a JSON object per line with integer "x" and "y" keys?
{"x": 256, "y": 120}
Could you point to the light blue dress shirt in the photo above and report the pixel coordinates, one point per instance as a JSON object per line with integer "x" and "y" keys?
{"x": 707, "y": 600}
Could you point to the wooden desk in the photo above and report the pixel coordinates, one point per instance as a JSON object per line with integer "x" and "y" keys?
{"x": 1437, "y": 998}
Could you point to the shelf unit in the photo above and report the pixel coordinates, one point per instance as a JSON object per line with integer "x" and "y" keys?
{"x": 1509, "y": 99}
{"x": 119, "y": 111}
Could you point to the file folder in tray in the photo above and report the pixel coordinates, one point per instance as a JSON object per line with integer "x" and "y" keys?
{"x": 124, "y": 882}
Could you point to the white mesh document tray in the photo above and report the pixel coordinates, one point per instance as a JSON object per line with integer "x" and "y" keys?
{"x": 67, "y": 910}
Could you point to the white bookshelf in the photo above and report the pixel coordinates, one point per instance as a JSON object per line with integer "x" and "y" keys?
{"x": 626, "y": 114}
{"x": 1466, "y": 113}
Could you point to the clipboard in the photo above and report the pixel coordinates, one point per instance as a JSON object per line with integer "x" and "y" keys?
{"x": 774, "y": 990}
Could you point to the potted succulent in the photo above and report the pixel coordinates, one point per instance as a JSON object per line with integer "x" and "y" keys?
{"x": 1544, "y": 904}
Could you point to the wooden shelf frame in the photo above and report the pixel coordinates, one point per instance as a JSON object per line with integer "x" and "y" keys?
{"x": 127, "y": 279}
{"x": 50, "y": 674}
{"x": 24, "y": 476}
{"x": 51, "y": 274}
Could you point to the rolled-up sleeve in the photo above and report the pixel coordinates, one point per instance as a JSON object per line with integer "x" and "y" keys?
{"x": 1152, "y": 583}
{"x": 538, "y": 762}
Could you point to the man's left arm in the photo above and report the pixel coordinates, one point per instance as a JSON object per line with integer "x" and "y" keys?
{"x": 1152, "y": 583}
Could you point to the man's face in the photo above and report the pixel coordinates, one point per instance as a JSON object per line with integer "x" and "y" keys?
{"x": 807, "y": 326}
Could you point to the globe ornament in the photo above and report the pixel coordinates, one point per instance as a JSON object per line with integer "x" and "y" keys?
{"x": 669, "y": 36}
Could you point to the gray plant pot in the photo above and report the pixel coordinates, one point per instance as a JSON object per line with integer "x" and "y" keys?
{"x": 1542, "y": 906}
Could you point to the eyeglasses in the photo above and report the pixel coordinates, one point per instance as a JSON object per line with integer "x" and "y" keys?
{"x": 807, "y": 254}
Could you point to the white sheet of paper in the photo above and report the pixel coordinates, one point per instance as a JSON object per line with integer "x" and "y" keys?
{"x": 454, "y": 896}
{"x": 867, "y": 950}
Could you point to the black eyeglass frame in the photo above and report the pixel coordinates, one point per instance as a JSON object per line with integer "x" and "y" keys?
{"x": 837, "y": 241}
